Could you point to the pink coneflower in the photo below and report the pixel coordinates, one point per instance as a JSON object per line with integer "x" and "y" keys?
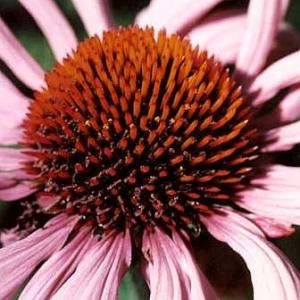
{"x": 136, "y": 141}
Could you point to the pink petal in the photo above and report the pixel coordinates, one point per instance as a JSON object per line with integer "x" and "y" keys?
{"x": 174, "y": 17}
{"x": 19, "y": 60}
{"x": 13, "y": 109}
{"x": 19, "y": 259}
{"x": 53, "y": 24}
{"x": 17, "y": 191}
{"x": 8, "y": 179}
{"x": 99, "y": 273}
{"x": 10, "y": 136}
{"x": 279, "y": 178}
{"x": 221, "y": 34}
{"x": 273, "y": 276}
{"x": 14, "y": 183}
{"x": 276, "y": 198}
{"x": 271, "y": 227}
{"x": 263, "y": 19}
{"x": 8, "y": 237}
{"x": 12, "y": 159}
{"x": 270, "y": 81}
{"x": 199, "y": 285}
{"x": 47, "y": 202}
{"x": 58, "y": 268}
{"x": 283, "y": 138}
{"x": 170, "y": 270}
{"x": 289, "y": 108}
{"x": 95, "y": 15}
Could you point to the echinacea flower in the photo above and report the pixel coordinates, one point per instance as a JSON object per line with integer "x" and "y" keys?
{"x": 136, "y": 141}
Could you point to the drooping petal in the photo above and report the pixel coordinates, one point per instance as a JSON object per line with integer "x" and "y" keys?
{"x": 263, "y": 19}
{"x": 58, "y": 268}
{"x": 271, "y": 227}
{"x": 99, "y": 273}
{"x": 273, "y": 276}
{"x": 283, "y": 138}
{"x": 19, "y": 60}
{"x": 19, "y": 259}
{"x": 271, "y": 81}
{"x": 53, "y": 24}
{"x": 199, "y": 285}
{"x": 95, "y": 15}
{"x": 276, "y": 195}
{"x": 174, "y": 17}
{"x": 170, "y": 271}
{"x": 272, "y": 204}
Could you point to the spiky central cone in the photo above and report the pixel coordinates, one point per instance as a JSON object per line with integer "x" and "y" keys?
{"x": 136, "y": 131}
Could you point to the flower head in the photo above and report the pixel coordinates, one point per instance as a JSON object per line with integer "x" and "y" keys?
{"x": 138, "y": 139}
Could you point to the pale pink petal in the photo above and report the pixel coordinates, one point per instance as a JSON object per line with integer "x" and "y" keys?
{"x": 13, "y": 108}
{"x": 271, "y": 81}
{"x": 170, "y": 270}
{"x": 222, "y": 33}
{"x": 279, "y": 178}
{"x": 199, "y": 285}
{"x": 53, "y": 24}
{"x": 13, "y": 104}
{"x": 280, "y": 204}
{"x": 59, "y": 267}
{"x": 19, "y": 259}
{"x": 263, "y": 19}
{"x": 289, "y": 108}
{"x": 283, "y": 138}
{"x": 8, "y": 237}
{"x": 14, "y": 182}
{"x": 273, "y": 276}
{"x": 98, "y": 275}
{"x": 10, "y": 136}
{"x": 174, "y": 17}
{"x": 8, "y": 87}
{"x": 95, "y": 15}
{"x": 12, "y": 159}
{"x": 222, "y": 37}
{"x": 19, "y": 60}
{"x": 271, "y": 227}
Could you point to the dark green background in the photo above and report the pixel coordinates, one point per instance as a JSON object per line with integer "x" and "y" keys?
{"x": 132, "y": 287}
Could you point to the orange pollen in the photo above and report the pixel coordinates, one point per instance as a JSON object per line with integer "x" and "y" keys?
{"x": 136, "y": 131}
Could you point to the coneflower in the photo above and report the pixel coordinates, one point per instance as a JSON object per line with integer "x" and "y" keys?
{"x": 137, "y": 140}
